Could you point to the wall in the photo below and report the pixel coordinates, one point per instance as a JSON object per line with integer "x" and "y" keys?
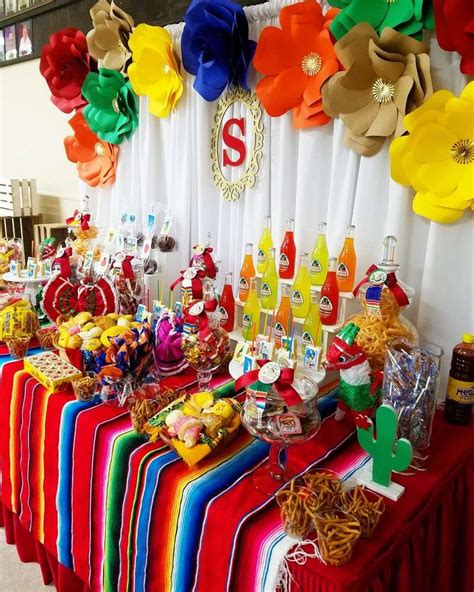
{"x": 32, "y": 130}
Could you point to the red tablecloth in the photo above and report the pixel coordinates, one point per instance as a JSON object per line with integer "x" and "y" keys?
{"x": 166, "y": 528}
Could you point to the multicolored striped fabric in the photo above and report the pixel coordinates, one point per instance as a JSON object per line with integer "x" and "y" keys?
{"x": 127, "y": 515}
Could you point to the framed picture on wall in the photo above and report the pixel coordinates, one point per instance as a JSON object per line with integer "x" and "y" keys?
{"x": 10, "y": 43}
{"x": 22, "y": 4}
{"x": 10, "y": 7}
{"x": 24, "y": 37}
{"x": 2, "y": 46}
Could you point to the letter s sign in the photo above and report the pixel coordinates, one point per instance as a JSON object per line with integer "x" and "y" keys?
{"x": 234, "y": 142}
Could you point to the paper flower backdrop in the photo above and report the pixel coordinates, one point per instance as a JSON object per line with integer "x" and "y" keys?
{"x": 215, "y": 46}
{"x": 154, "y": 71}
{"x": 64, "y": 64}
{"x": 112, "y": 112}
{"x": 95, "y": 159}
{"x": 296, "y": 60}
{"x": 406, "y": 16}
{"x": 455, "y": 29}
{"x": 437, "y": 156}
{"x": 108, "y": 40}
{"x": 386, "y": 78}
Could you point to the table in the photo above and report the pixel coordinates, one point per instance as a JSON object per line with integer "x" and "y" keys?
{"x": 100, "y": 508}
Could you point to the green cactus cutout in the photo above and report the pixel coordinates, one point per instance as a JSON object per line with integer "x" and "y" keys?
{"x": 388, "y": 453}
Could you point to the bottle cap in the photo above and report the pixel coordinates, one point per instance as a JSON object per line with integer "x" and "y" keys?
{"x": 468, "y": 338}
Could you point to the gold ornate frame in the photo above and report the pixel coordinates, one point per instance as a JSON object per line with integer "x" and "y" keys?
{"x": 231, "y": 190}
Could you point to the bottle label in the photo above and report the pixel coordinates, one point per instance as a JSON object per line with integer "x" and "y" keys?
{"x": 307, "y": 339}
{"x": 297, "y": 298}
{"x": 316, "y": 266}
{"x": 284, "y": 262}
{"x": 325, "y": 306}
{"x": 279, "y": 330}
{"x": 265, "y": 290}
{"x": 261, "y": 257}
{"x": 460, "y": 391}
{"x": 342, "y": 271}
{"x": 243, "y": 284}
{"x": 247, "y": 321}
{"x": 224, "y": 316}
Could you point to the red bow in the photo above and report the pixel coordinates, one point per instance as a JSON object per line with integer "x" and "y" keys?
{"x": 196, "y": 284}
{"x": 83, "y": 220}
{"x": 200, "y": 315}
{"x": 391, "y": 283}
{"x": 127, "y": 268}
{"x": 210, "y": 270}
{"x": 283, "y": 384}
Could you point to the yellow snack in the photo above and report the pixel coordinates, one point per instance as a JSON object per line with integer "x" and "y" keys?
{"x": 92, "y": 345}
{"x": 222, "y": 408}
{"x": 189, "y": 408}
{"x": 135, "y": 325}
{"x": 113, "y": 315}
{"x": 204, "y": 399}
{"x": 74, "y": 342}
{"x": 63, "y": 339}
{"x": 104, "y": 322}
{"x": 82, "y": 318}
{"x": 111, "y": 333}
{"x": 88, "y": 326}
{"x": 128, "y": 317}
{"x": 123, "y": 322}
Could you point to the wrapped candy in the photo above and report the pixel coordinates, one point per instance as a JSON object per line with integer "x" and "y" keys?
{"x": 168, "y": 354}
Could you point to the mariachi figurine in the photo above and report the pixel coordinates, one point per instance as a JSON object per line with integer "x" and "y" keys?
{"x": 359, "y": 388}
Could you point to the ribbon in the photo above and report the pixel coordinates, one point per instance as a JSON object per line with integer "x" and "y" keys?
{"x": 201, "y": 309}
{"x": 391, "y": 283}
{"x": 78, "y": 216}
{"x": 127, "y": 269}
{"x": 283, "y": 384}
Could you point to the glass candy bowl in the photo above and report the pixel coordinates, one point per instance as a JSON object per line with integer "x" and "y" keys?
{"x": 267, "y": 417}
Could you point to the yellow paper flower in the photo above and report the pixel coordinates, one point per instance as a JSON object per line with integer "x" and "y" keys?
{"x": 436, "y": 157}
{"x": 154, "y": 71}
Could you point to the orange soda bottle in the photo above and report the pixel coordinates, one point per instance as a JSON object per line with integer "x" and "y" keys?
{"x": 247, "y": 272}
{"x": 346, "y": 263}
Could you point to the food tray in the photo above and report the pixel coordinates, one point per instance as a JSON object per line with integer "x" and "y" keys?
{"x": 51, "y": 370}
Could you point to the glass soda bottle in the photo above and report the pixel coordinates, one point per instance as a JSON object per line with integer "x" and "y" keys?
{"x": 329, "y": 303}
{"x": 264, "y": 245}
{"x": 460, "y": 395}
{"x": 251, "y": 314}
{"x": 286, "y": 263}
{"x": 247, "y": 272}
{"x": 319, "y": 258}
{"x": 346, "y": 263}
{"x": 269, "y": 286}
{"x": 281, "y": 328}
{"x": 227, "y": 304}
{"x": 312, "y": 330}
{"x": 301, "y": 293}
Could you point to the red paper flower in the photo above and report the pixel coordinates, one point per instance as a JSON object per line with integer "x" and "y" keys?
{"x": 65, "y": 63}
{"x": 296, "y": 61}
{"x": 455, "y": 29}
{"x": 96, "y": 160}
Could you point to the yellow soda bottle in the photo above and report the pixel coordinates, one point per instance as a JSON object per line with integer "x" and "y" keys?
{"x": 319, "y": 258}
{"x": 264, "y": 245}
{"x": 300, "y": 295}
{"x": 269, "y": 286}
{"x": 312, "y": 328}
{"x": 251, "y": 313}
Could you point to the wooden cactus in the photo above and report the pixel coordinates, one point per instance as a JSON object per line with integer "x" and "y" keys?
{"x": 388, "y": 453}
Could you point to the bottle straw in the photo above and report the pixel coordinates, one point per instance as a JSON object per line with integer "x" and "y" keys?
{"x": 271, "y": 326}
{"x": 265, "y": 323}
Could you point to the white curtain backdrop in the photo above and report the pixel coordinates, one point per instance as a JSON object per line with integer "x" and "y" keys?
{"x": 307, "y": 175}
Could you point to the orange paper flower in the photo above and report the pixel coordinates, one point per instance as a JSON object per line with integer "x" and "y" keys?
{"x": 296, "y": 61}
{"x": 95, "y": 159}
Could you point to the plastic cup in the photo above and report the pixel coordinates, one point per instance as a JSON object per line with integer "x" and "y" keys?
{"x": 18, "y": 347}
{"x": 46, "y": 337}
{"x": 338, "y": 533}
{"x": 85, "y": 387}
{"x": 327, "y": 488}
{"x": 368, "y": 514}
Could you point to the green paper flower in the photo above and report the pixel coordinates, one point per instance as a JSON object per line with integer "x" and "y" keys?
{"x": 112, "y": 112}
{"x": 409, "y": 17}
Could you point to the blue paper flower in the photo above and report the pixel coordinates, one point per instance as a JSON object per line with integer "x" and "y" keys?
{"x": 215, "y": 46}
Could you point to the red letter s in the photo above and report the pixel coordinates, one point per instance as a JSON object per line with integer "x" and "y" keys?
{"x": 232, "y": 142}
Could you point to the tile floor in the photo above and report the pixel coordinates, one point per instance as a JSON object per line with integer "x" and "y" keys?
{"x": 16, "y": 576}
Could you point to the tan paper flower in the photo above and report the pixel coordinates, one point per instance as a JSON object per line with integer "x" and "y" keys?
{"x": 108, "y": 40}
{"x": 386, "y": 77}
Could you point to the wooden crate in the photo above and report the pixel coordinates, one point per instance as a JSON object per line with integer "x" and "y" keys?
{"x": 58, "y": 230}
